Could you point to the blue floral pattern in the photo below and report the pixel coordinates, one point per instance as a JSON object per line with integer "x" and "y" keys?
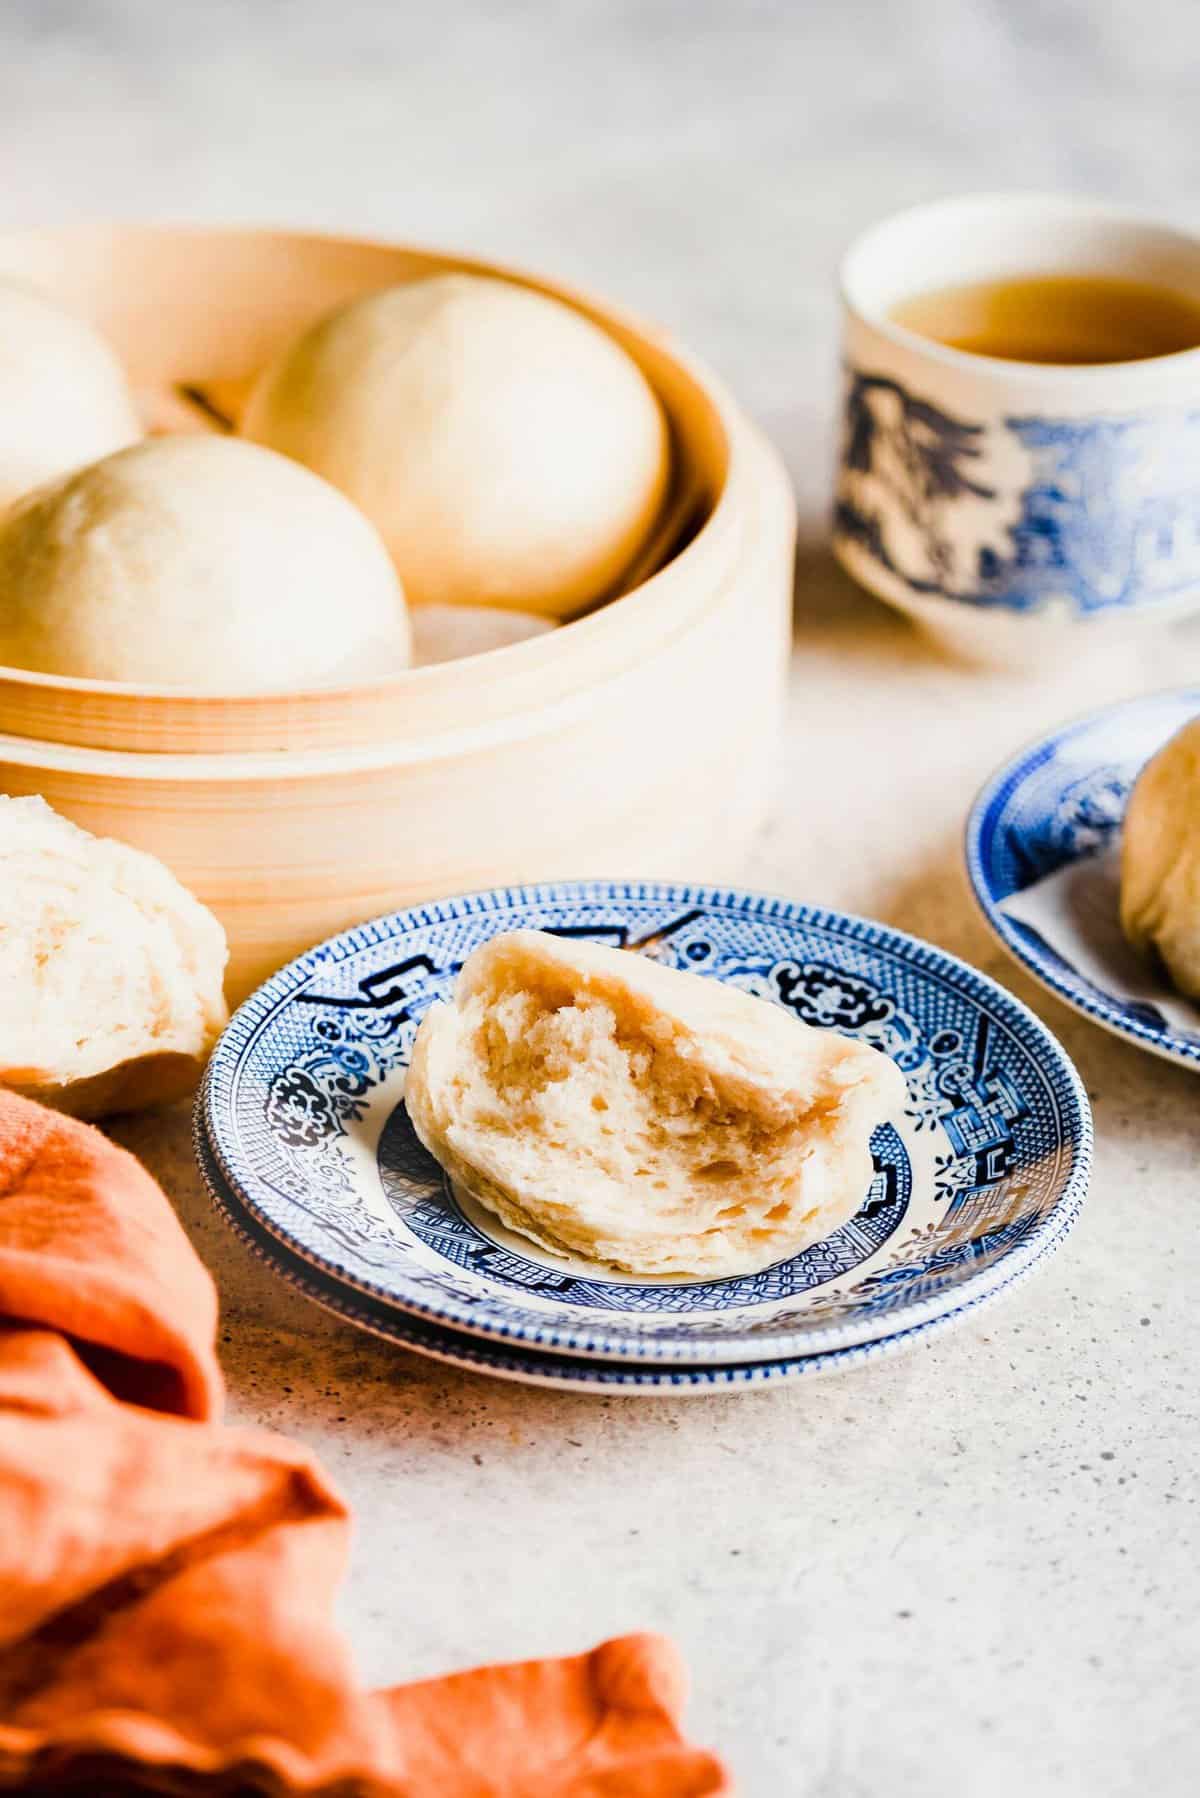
{"x": 1101, "y": 514}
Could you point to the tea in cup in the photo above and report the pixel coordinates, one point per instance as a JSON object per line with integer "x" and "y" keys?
{"x": 1021, "y": 432}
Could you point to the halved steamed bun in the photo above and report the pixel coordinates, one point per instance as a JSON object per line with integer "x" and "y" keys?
{"x": 110, "y": 971}
{"x": 64, "y": 400}
{"x": 645, "y": 1117}
{"x": 509, "y": 451}
{"x": 1160, "y": 859}
{"x": 201, "y": 563}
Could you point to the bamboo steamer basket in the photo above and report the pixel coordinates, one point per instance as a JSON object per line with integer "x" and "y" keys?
{"x": 636, "y": 739}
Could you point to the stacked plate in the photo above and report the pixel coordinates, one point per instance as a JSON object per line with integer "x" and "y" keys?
{"x": 308, "y": 1152}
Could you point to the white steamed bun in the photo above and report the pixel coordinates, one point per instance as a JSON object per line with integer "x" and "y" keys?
{"x": 201, "y": 563}
{"x": 508, "y": 449}
{"x": 63, "y": 395}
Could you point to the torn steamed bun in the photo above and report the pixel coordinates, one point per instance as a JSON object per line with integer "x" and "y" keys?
{"x": 656, "y": 1120}
{"x": 110, "y": 971}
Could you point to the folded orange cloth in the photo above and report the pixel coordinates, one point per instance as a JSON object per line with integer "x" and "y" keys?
{"x": 166, "y": 1583}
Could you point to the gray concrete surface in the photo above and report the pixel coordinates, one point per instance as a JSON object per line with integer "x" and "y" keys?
{"x": 971, "y": 1571}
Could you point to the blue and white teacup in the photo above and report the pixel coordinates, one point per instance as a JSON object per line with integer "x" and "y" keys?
{"x": 1007, "y": 504}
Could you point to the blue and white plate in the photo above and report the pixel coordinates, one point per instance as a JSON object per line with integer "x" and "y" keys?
{"x": 985, "y": 1168}
{"x": 1060, "y": 799}
{"x": 534, "y": 1367}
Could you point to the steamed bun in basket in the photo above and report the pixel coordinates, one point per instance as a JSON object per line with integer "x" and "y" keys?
{"x": 63, "y": 396}
{"x": 201, "y": 563}
{"x": 509, "y": 451}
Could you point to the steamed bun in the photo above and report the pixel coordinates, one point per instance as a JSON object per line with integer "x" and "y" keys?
{"x": 202, "y": 563}
{"x": 63, "y": 396}
{"x": 110, "y": 972}
{"x": 447, "y": 633}
{"x": 643, "y": 1116}
{"x": 509, "y": 451}
{"x": 1160, "y": 859}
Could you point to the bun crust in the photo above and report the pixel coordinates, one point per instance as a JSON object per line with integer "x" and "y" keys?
{"x": 1160, "y": 860}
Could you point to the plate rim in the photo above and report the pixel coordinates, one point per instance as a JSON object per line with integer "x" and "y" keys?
{"x": 999, "y": 784}
{"x": 526, "y": 1366}
{"x": 593, "y": 1343}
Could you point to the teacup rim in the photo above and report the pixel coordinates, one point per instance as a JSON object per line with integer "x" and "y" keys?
{"x": 996, "y": 368}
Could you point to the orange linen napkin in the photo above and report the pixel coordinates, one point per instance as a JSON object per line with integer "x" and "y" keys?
{"x": 166, "y": 1583}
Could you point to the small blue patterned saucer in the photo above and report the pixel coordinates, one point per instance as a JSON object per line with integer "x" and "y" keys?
{"x": 303, "y": 1108}
{"x": 1061, "y": 799}
{"x": 534, "y": 1367}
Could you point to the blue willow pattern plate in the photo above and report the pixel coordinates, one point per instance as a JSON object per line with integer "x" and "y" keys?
{"x": 303, "y": 1109}
{"x": 1060, "y": 799}
{"x": 536, "y": 1367}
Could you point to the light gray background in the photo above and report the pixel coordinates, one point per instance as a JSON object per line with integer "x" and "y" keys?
{"x": 973, "y": 1571}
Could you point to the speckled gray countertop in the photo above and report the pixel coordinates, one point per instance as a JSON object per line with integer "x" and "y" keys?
{"x": 975, "y": 1570}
